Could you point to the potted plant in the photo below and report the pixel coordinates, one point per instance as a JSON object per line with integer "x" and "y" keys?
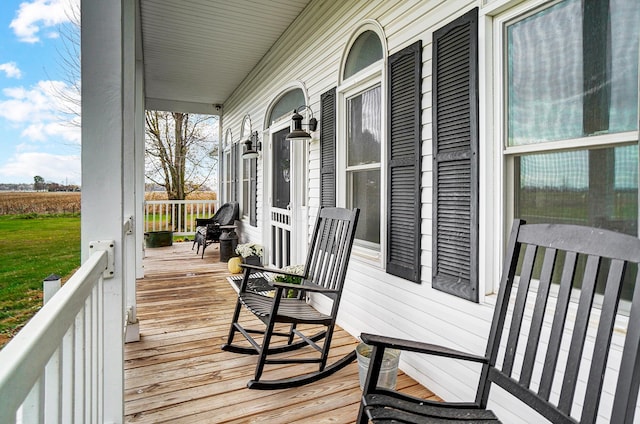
{"x": 293, "y": 269}
{"x": 251, "y": 253}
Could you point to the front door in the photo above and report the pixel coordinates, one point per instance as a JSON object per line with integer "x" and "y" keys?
{"x": 280, "y": 248}
{"x": 286, "y": 209}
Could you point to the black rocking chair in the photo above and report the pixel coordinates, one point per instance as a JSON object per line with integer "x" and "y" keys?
{"x": 324, "y": 272}
{"x": 536, "y": 352}
{"x": 208, "y": 229}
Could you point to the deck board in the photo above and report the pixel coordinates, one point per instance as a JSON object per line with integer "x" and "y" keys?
{"x": 177, "y": 372}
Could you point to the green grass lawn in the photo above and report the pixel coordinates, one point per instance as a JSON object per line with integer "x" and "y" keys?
{"x": 31, "y": 248}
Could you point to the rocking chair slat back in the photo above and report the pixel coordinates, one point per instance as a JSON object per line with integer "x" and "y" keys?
{"x": 330, "y": 248}
{"x": 559, "y": 322}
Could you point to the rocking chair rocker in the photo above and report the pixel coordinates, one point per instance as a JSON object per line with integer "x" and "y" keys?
{"x": 324, "y": 273}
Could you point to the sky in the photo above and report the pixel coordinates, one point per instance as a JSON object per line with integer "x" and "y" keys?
{"x": 37, "y": 136}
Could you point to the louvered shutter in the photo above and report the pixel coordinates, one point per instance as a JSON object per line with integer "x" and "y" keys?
{"x": 253, "y": 192}
{"x": 455, "y": 157}
{"x": 328, "y": 149}
{"x": 403, "y": 165}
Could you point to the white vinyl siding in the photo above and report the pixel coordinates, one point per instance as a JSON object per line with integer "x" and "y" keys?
{"x": 374, "y": 301}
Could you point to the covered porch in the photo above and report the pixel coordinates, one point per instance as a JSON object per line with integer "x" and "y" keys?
{"x": 178, "y": 373}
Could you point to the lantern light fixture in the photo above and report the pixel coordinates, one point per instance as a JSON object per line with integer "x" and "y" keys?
{"x": 249, "y": 152}
{"x": 298, "y": 133}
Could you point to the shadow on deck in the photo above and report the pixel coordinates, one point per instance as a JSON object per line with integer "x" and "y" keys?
{"x": 178, "y": 373}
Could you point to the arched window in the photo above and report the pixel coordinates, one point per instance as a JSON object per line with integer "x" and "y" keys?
{"x": 286, "y": 104}
{"x": 245, "y": 129}
{"x": 365, "y": 51}
{"x": 361, "y": 103}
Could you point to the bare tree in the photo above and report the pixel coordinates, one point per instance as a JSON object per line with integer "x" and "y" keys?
{"x": 180, "y": 151}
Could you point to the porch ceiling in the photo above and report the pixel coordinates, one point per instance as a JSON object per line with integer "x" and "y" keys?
{"x": 197, "y": 52}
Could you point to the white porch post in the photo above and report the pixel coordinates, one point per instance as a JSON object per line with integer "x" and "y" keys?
{"x": 105, "y": 170}
{"x": 132, "y": 210}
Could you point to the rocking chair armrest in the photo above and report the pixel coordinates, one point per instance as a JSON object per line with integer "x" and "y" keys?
{"x": 420, "y": 347}
{"x": 259, "y": 268}
{"x": 309, "y": 288}
{"x": 201, "y": 222}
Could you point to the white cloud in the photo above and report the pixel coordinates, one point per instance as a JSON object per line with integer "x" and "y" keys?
{"x": 56, "y": 168}
{"x": 32, "y": 16}
{"x": 49, "y": 108}
{"x": 11, "y": 70}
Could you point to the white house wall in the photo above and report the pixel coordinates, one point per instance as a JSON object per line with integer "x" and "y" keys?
{"x": 310, "y": 54}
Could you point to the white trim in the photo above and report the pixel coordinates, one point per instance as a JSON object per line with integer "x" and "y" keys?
{"x": 489, "y": 231}
{"x": 613, "y": 139}
{"x": 366, "y": 79}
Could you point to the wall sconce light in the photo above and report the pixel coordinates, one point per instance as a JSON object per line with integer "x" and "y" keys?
{"x": 249, "y": 153}
{"x": 298, "y": 133}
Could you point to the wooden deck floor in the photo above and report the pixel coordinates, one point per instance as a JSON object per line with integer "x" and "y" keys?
{"x": 178, "y": 373}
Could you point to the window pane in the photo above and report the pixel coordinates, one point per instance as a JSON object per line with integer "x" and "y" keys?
{"x": 245, "y": 187}
{"x": 287, "y": 103}
{"x": 363, "y": 132}
{"x": 588, "y": 187}
{"x": 364, "y": 193}
{"x": 365, "y": 51}
{"x": 281, "y": 169}
{"x": 565, "y": 82}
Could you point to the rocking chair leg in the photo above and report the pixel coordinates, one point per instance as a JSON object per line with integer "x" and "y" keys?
{"x": 291, "y": 333}
{"x": 264, "y": 350}
{"x": 234, "y": 320}
{"x": 325, "y": 347}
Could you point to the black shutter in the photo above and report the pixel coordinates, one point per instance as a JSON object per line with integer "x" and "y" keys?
{"x": 455, "y": 157}
{"x": 403, "y": 167}
{"x": 253, "y": 192}
{"x": 328, "y": 148}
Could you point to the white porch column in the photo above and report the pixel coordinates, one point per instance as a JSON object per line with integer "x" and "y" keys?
{"x": 132, "y": 211}
{"x": 105, "y": 174}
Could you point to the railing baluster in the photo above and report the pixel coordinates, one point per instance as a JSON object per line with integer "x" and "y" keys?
{"x": 52, "y": 387}
{"x": 176, "y": 215}
{"x": 32, "y": 409}
{"x": 67, "y": 393}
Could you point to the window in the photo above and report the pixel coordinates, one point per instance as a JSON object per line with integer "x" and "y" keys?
{"x": 362, "y": 131}
{"x": 245, "y": 189}
{"x": 230, "y": 168}
{"x": 365, "y": 51}
{"x": 245, "y": 133}
{"x": 363, "y": 164}
{"x": 572, "y": 113}
{"x": 289, "y": 101}
{"x": 226, "y": 165}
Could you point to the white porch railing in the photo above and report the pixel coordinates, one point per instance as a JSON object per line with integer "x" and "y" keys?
{"x": 55, "y": 366}
{"x": 178, "y": 216}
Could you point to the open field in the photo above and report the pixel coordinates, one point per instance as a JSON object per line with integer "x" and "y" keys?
{"x": 30, "y": 250}
{"x": 18, "y": 203}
